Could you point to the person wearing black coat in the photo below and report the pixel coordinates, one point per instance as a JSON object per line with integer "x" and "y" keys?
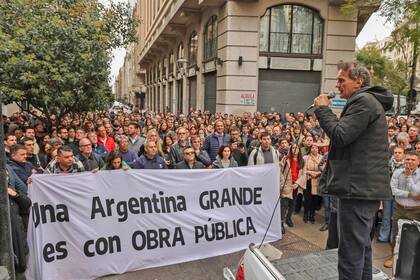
{"x": 19, "y": 212}
{"x": 189, "y": 161}
{"x": 356, "y": 171}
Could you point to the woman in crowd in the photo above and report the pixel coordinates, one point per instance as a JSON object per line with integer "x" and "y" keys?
{"x": 114, "y": 161}
{"x": 293, "y": 180}
{"x": 46, "y": 153}
{"x": 152, "y": 135}
{"x": 224, "y": 158}
{"x": 311, "y": 198}
{"x": 166, "y": 148}
{"x": 163, "y": 129}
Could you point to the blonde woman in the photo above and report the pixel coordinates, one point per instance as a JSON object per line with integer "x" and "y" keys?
{"x": 153, "y": 136}
{"x": 313, "y": 174}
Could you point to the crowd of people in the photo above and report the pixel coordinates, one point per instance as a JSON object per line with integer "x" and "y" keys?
{"x": 107, "y": 141}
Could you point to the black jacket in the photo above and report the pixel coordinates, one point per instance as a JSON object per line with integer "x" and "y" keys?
{"x": 357, "y": 166}
{"x": 184, "y": 165}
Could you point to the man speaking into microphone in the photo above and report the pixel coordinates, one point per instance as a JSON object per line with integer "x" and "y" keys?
{"x": 357, "y": 167}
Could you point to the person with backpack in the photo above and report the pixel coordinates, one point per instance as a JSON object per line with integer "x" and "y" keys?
{"x": 264, "y": 153}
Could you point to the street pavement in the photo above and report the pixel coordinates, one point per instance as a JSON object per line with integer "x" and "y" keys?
{"x": 299, "y": 240}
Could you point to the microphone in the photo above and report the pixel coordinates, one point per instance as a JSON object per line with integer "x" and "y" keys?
{"x": 330, "y": 95}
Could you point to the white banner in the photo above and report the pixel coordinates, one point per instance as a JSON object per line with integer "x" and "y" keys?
{"x": 88, "y": 225}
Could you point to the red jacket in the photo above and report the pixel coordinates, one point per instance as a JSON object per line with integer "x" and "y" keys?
{"x": 109, "y": 143}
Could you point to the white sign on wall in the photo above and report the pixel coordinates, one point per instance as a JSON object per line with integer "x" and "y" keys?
{"x": 248, "y": 99}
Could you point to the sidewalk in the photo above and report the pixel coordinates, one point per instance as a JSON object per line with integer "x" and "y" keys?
{"x": 299, "y": 240}
{"x": 310, "y": 232}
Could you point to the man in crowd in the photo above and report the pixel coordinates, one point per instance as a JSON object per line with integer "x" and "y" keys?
{"x": 215, "y": 140}
{"x": 265, "y": 153}
{"x": 30, "y": 133}
{"x": 356, "y": 170}
{"x": 396, "y": 162}
{"x": 30, "y": 155}
{"x": 63, "y": 134}
{"x": 97, "y": 148}
{"x": 275, "y": 137}
{"x": 200, "y": 154}
{"x": 283, "y": 149}
{"x": 91, "y": 161}
{"x": 65, "y": 162}
{"x": 189, "y": 161}
{"x": 245, "y": 134}
{"x": 134, "y": 137}
{"x": 392, "y": 138}
{"x": 238, "y": 148}
{"x": 413, "y": 133}
{"x": 150, "y": 159}
{"x": 18, "y": 163}
{"x": 177, "y": 154}
{"x": 80, "y": 134}
{"x": 9, "y": 141}
{"x": 104, "y": 139}
{"x": 405, "y": 184}
{"x": 403, "y": 141}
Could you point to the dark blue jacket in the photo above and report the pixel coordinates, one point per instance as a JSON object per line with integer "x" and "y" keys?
{"x": 100, "y": 150}
{"x": 22, "y": 169}
{"x": 14, "y": 181}
{"x": 129, "y": 157}
{"x": 212, "y": 145}
{"x": 145, "y": 163}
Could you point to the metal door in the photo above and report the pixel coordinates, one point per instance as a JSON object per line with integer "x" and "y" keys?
{"x": 287, "y": 91}
{"x": 210, "y": 92}
{"x": 192, "y": 99}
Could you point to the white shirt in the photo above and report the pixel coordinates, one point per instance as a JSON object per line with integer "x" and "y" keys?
{"x": 401, "y": 185}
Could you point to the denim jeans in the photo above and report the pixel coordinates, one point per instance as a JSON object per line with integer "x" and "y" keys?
{"x": 326, "y": 201}
{"x": 385, "y": 230}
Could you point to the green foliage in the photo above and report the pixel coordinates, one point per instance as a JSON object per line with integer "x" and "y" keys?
{"x": 403, "y": 14}
{"x": 392, "y": 75}
{"x": 372, "y": 58}
{"x": 405, "y": 39}
{"x": 56, "y": 54}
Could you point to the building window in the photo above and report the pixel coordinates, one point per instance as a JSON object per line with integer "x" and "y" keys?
{"x": 192, "y": 49}
{"x": 165, "y": 66}
{"x": 291, "y": 29}
{"x": 210, "y": 38}
{"x": 171, "y": 62}
{"x": 180, "y": 53}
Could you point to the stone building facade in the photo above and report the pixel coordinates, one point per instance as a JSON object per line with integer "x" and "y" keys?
{"x": 236, "y": 56}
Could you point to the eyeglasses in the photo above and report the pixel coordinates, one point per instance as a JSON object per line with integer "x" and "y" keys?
{"x": 87, "y": 145}
{"x": 189, "y": 153}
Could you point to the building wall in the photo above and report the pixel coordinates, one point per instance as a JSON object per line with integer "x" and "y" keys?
{"x": 165, "y": 24}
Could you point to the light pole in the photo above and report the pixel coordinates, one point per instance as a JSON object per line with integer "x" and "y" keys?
{"x": 412, "y": 94}
{"x": 6, "y": 251}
